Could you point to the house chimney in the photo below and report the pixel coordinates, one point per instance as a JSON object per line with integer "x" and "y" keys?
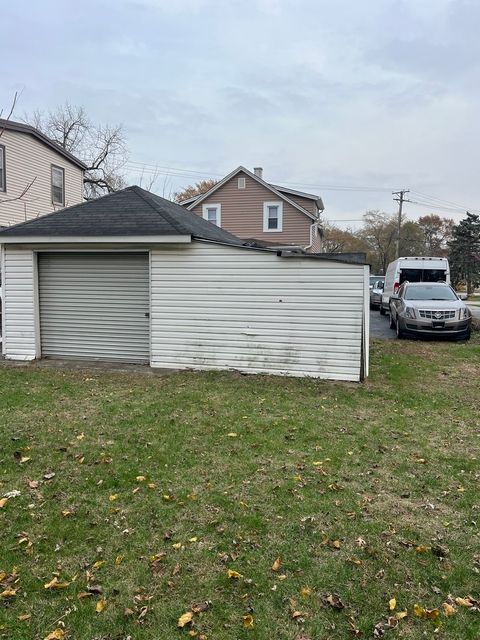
{"x": 258, "y": 171}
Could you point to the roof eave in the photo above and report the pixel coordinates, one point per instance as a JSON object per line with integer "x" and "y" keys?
{"x": 152, "y": 239}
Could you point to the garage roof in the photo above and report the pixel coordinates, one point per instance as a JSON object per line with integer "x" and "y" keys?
{"x": 130, "y": 212}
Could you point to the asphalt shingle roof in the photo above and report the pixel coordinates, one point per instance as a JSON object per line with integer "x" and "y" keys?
{"x": 130, "y": 212}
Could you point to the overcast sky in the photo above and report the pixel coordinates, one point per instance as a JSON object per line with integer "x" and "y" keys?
{"x": 373, "y": 93}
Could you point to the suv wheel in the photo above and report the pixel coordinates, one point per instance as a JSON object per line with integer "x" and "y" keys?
{"x": 392, "y": 321}
{"x": 399, "y": 332}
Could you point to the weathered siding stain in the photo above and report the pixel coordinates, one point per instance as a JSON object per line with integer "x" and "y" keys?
{"x": 220, "y": 307}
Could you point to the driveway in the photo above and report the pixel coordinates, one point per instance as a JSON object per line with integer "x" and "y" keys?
{"x": 379, "y": 326}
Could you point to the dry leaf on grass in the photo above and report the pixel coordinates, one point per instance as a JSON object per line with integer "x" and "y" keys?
{"x": 185, "y": 619}
{"x": 100, "y": 606}
{"x": 276, "y": 565}
{"x": 234, "y": 575}
{"x": 3, "y": 502}
{"x": 56, "y": 584}
{"x": 24, "y": 617}
{"x": 448, "y": 609}
{"x": 334, "y": 601}
{"x": 392, "y": 603}
{"x": 56, "y": 634}
{"x": 248, "y": 622}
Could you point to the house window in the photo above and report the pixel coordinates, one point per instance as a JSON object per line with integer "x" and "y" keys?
{"x": 58, "y": 185}
{"x": 272, "y": 216}
{"x": 212, "y": 213}
{"x": 241, "y": 182}
{"x": 3, "y": 182}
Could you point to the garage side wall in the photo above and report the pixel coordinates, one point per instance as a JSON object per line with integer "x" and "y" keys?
{"x": 19, "y": 302}
{"x": 220, "y": 307}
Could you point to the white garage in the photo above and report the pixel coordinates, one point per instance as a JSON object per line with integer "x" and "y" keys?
{"x": 132, "y": 277}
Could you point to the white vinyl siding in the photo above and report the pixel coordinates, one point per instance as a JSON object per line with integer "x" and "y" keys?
{"x": 273, "y": 216}
{"x": 28, "y": 166}
{"x": 18, "y": 305}
{"x": 213, "y": 213}
{"x": 221, "y": 307}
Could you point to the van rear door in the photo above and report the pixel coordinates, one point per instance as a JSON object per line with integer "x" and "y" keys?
{"x": 423, "y": 275}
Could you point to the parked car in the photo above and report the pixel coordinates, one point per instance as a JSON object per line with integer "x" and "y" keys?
{"x": 420, "y": 269}
{"x": 376, "y": 293}
{"x": 429, "y": 309}
{"x": 373, "y": 280}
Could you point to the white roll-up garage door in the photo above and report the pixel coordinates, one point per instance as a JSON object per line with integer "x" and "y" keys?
{"x": 94, "y": 305}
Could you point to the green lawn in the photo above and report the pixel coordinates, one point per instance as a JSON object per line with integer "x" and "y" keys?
{"x": 366, "y": 492}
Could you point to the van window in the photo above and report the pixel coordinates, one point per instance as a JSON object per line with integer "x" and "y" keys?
{"x": 423, "y": 275}
{"x": 434, "y": 275}
{"x": 412, "y": 275}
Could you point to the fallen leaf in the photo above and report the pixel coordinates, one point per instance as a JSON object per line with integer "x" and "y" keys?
{"x": 234, "y": 575}
{"x": 194, "y": 539}
{"x": 185, "y": 619}
{"x": 176, "y": 569}
{"x": 24, "y": 459}
{"x": 151, "y": 485}
{"x": 177, "y": 545}
{"x": 421, "y": 548}
{"x": 98, "y": 564}
{"x": 49, "y": 476}
{"x": 400, "y": 615}
{"x": 200, "y": 607}
{"x": 3, "y": 502}
{"x": 297, "y": 614}
{"x": 140, "y": 478}
{"x": 128, "y": 612}
{"x": 84, "y": 594}
{"x": 57, "y": 634}
{"x": 24, "y": 617}
{"x": 66, "y": 513}
{"x": 336, "y": 544}
{"x": 448, "y": 609}
{"x": 248, "y": 622}
{"x": 113, "y": 497}
{"x": 33, "y": 484}
{"x": 81, "y": 436}
{"x": 418, "y": 611}
{"x": 8, "y": 593}
{"x": 276, "y": 565}
{"x": 334, "y": 601}
{"x": 118, "y": 560}
{"x": 306, "y": 592}
{"x": 100, "y": 606}
{"x": 392, "y": 603}
{"x": 55, "y": 584}
{"x": 464, "y": 602}
{"x": 232, "y": 434}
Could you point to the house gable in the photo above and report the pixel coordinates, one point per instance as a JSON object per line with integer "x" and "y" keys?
{"x": 243, "y": 210}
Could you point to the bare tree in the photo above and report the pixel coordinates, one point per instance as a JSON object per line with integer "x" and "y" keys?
{"x": 101, "y": 147}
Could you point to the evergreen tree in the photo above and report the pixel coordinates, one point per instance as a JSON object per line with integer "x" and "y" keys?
{"x": 465, "y": 252}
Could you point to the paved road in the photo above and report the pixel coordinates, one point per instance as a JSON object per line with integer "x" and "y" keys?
{"x": 475, "y": 311}
{"x": 379, "y": 326}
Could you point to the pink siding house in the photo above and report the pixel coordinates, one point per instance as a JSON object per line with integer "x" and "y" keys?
{"x": 261, "y": 213}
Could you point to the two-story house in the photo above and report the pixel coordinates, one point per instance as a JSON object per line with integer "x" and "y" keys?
{"x": 37, "y": 176}
{"x": 261, "y": 213}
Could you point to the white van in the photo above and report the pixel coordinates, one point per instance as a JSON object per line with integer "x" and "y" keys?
{"x": 420, "y": 269}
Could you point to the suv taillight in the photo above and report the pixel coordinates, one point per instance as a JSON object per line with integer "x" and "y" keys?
{"x": 396, "y": 287}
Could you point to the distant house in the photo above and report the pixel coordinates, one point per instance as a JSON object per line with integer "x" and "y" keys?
{"x": 261, "y": 213}
{"x": 37, "y": 176}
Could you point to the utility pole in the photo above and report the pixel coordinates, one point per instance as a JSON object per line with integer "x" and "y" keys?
{"x": 400, "y": 199}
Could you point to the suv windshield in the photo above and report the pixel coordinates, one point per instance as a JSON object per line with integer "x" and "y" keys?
{"x": 429, "y": 293}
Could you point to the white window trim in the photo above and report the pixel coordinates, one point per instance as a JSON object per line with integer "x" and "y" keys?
{"x": 276, "y": 203}
{"x": 218, "y": 207}
{"x": 242, "y": 181}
